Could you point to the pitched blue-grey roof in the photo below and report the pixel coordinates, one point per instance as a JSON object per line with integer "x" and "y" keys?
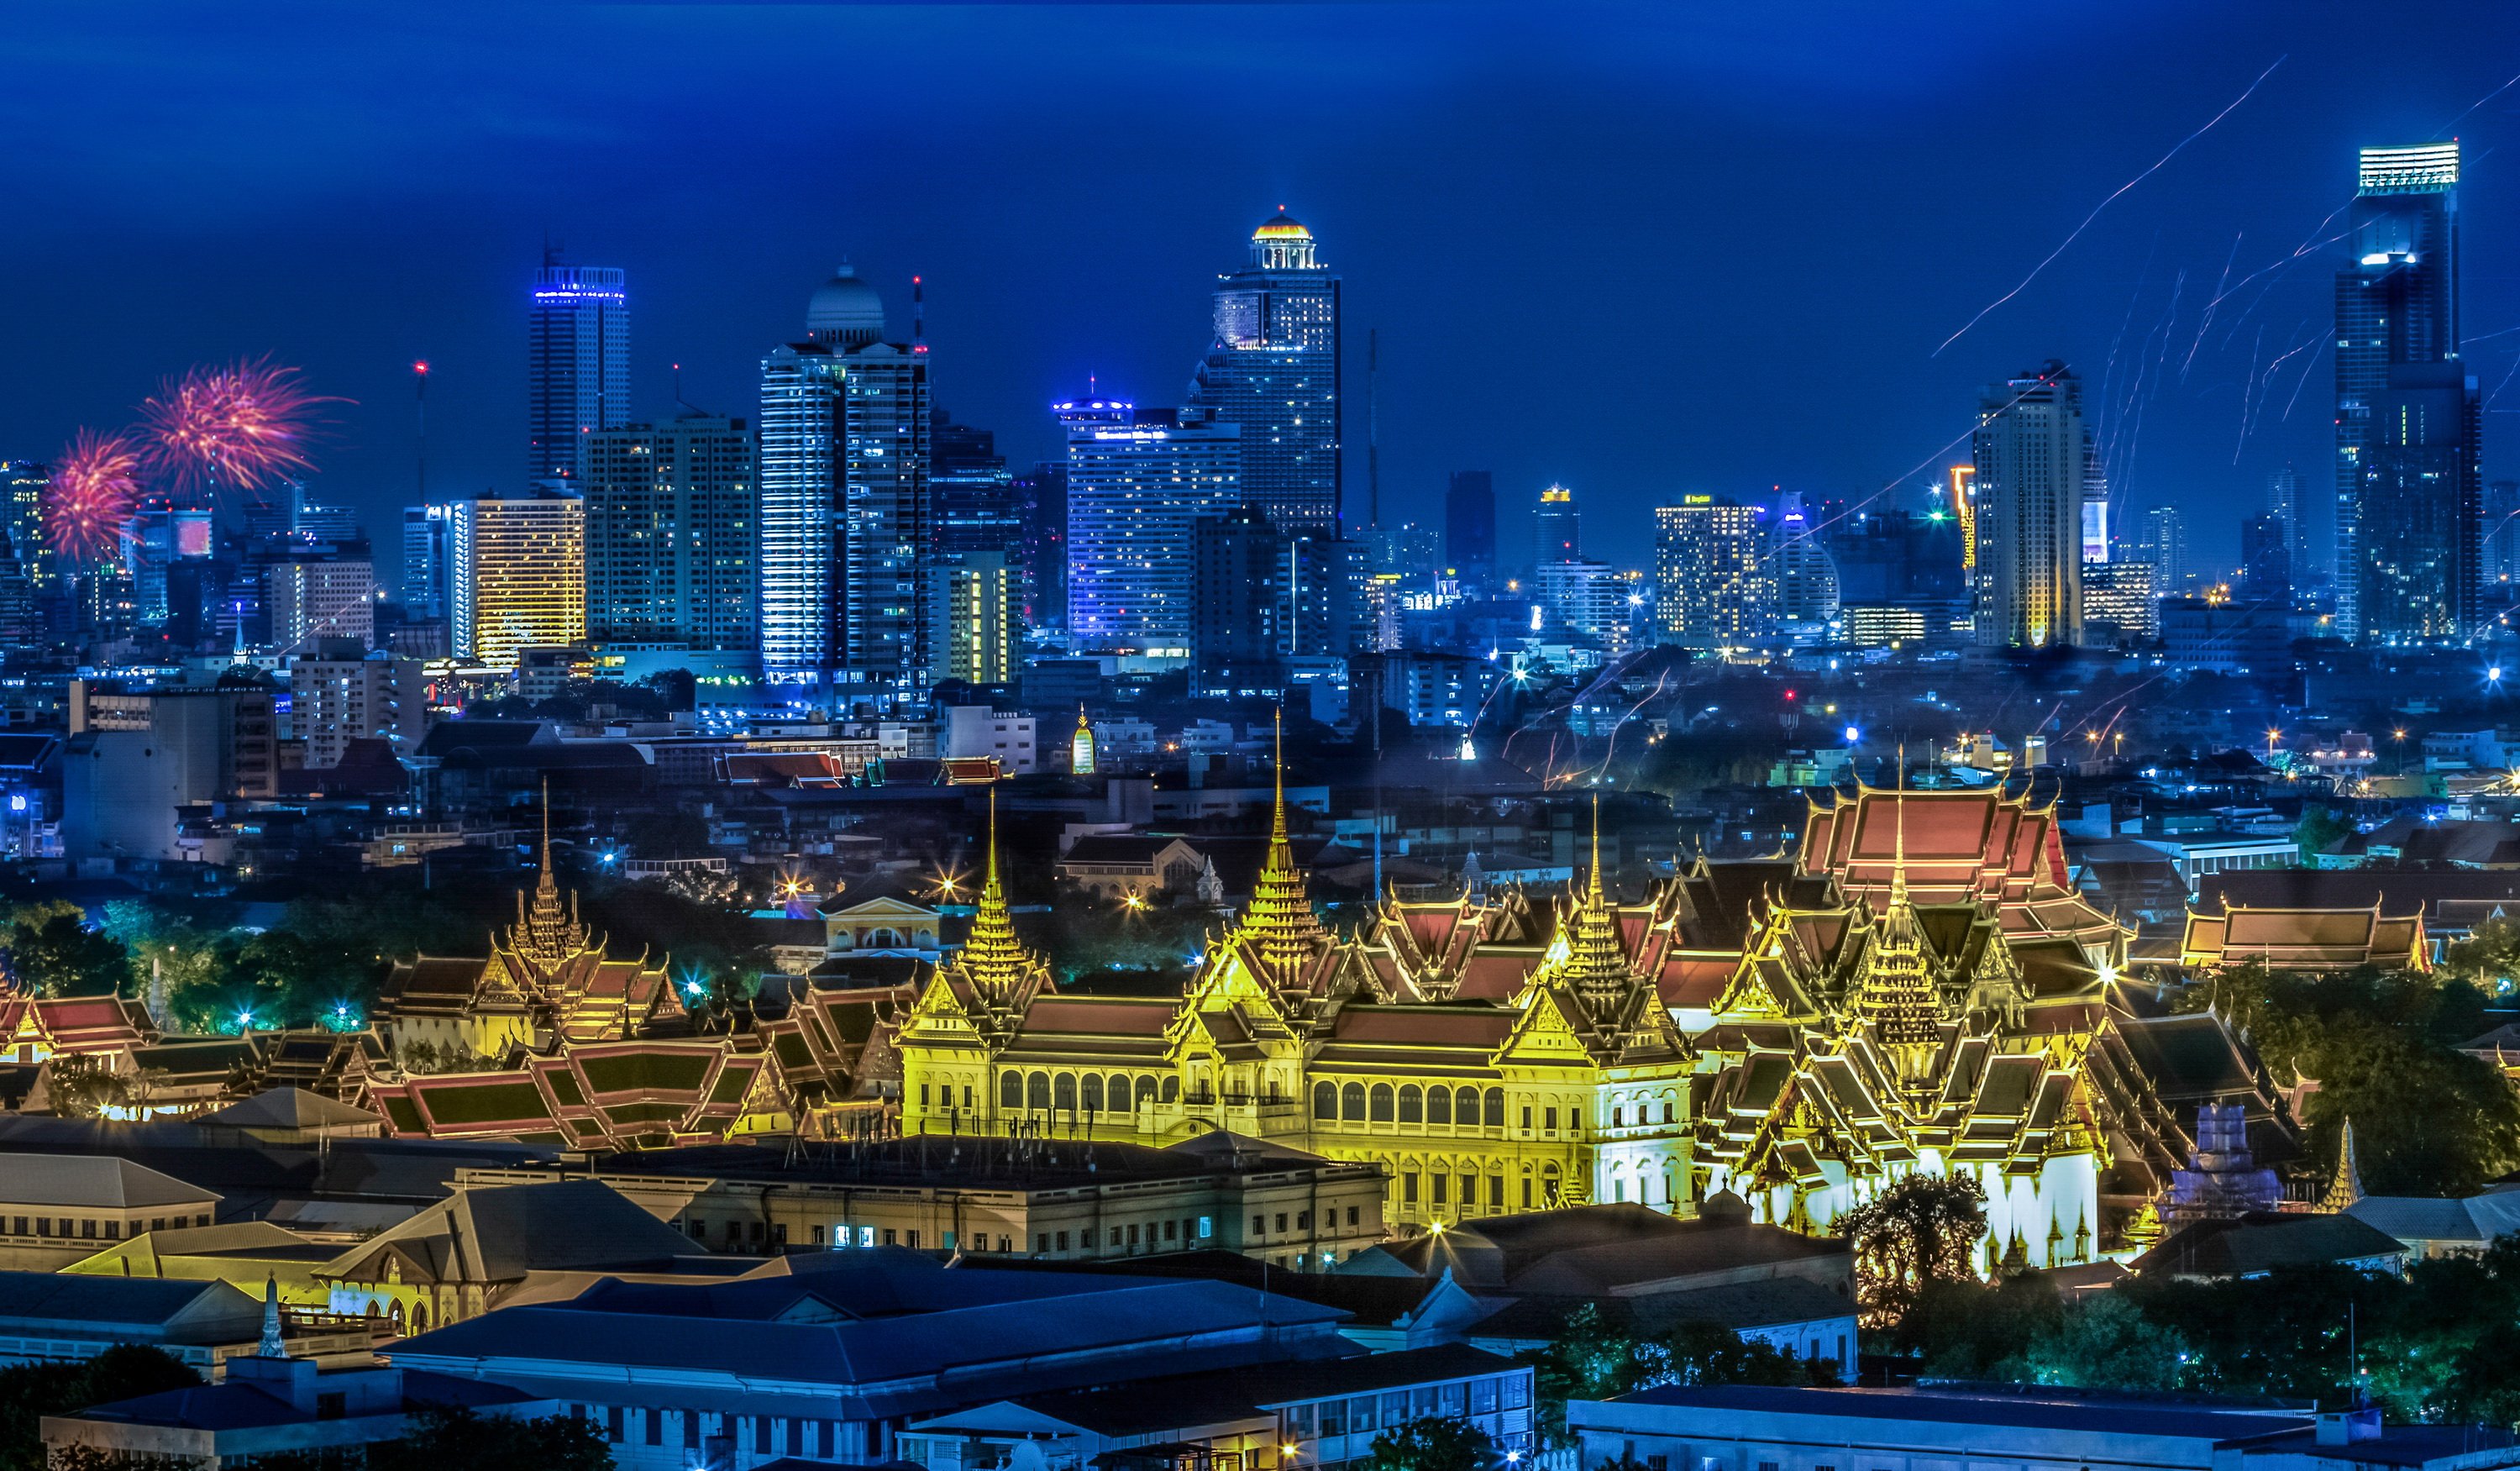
{"x": 2115, "y": 1414}
{"x": 100, "y": 1302}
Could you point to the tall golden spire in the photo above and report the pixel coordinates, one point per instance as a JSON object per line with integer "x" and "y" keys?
{"x": 1281, "y": 921}
{"x": 992, "y": 957}
{"x": 1895, "y": 992}
{"x": 548, "y": 931}
{"x": 1597, "y": 964}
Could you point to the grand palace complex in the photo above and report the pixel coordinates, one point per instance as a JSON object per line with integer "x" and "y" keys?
{"x": 1916, "y": 989}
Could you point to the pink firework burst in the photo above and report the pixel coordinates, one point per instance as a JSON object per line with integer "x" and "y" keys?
{"x": 94, "y": 485}
{"x": 237, "y": 427}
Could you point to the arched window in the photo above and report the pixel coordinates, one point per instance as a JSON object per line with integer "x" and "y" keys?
{"x": 1352, "y": 1103}
{"x": 393, "y": 1316}
{"x": 1090, "y": 1093}
{"x": 1172, "y": 1088}
{"x": 1496, "y": 1107}
{"x": 1325, "y": 1100}
{"x": 1413, "y": 1108}
{"x": 420, "y": 1317}
{"x": 1666, "y": 1110}
{"x": 1439, "y": 1105}
{"x": 1618, "y": 1117}
{"x": 1037, "y": 1091}
{"x": 1381, "y": 1110}
{"x": 1011, "y": 1090}
{"x": 1063, "y": 1093}
{"x": 1120, "y": 1100}
{"x": 1465, "y": 1109}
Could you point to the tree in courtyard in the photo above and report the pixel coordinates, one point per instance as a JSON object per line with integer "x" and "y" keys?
{"x": 1924, "y": 1228}
{"x": 1589, "y": 1358}
{"x": 56, "y": 953}
{"x": 1432, "y": 1444}
{"x": 2102, "y": 1342}
{"x": 1710, "y": 1354}
{"x": 443, "y": 1437}
{"x": 28, "y": 1392}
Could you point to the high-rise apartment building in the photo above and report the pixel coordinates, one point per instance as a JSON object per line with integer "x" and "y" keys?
{"x": 2119, "y": 601}
{"x": 337, "y": 693}
{"x": 1274, "y": 373}
{"x": 974, "y": 627}
{"x": 1243, "y": 578}
{"x": 846, "y": 525}
{"x": 308, "y": 598}
{"x": 156, "y": 535}
{"x": 2422, "y": 505}
{"x": 2164, "y": 544}
{"x": 1555, "y": 526}
{"x": 1588, "y": 597}
{"x": 424, "y": 560}
{"x": 979, "y": 507}
{"x": 517, "y": 575}
{"x": 1139, "y": 480}
{"x": 1711, "y": 585}
{"x": 1469, "y": 525}
{"x": 577, "y": 364}
{"x": 23, "y": 487}
{"x": 2033, "y": 459}
{"x": 2397, "y": 304}
{"x": 670, "y": 534}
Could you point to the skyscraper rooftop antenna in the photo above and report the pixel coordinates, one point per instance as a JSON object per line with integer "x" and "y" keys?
{"x": 918, "y": 314}
{"x": 1372, "y": 428}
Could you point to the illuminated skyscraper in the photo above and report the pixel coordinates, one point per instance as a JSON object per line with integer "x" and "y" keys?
{"x": 1804, "y": 574}
{"x": 2284, "y": 503}
{"x": 1274, "y": 373}
{"x": 2397, "y": 304}
{"x": 2033, "y": 463}
{"x": 577, "y": 364}
{"x": 1711, "y": 582}
{"x": 2422, "y": 504}
{"x": 671, "y": 534}
{"x": 2164, "y": 544}
{"x": 313, "y": 599}
{"x": 846, "y": 525}
{"x": 517, "y": 575}
{"x": 973, "y": 625}
{"x": 424, "y": 559}
{"x": 1139, "y": 480}
{"x": 23, "y": 484}
{"x": 1555, "y": 526}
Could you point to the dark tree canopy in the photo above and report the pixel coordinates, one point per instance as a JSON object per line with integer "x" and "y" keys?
{"x": 1921, "y": 1230}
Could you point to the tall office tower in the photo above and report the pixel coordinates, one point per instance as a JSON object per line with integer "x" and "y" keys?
{"x": 23, "y": 484}
{"x": 1805, "y": 575}
{"x": 516, "y": 575}
{"x": 973, "y": 627}
{"x": 2164, "y": 544}
{"x": 424, "y": 559}
{"x": 2284, "y": 503}
{"x": 1042, "y": 492}
{"x": 1588, "y": 598}
{"x": 2031, "y": 455}
{"x": 2266, "y": 560}
{"x": 577, "y": 364}
{"x": 1469, "y": 525}
{"x": 2096, "y": 522}
{"x": 1274, "y": 373}
{"x": 1712, "y": 586}
{"x": 670, "y": 535}
{"x": 846, "y": 523}
{"x": 978, "y": 506}
{"x": 2499, "y": 536}
{"x": 2422, "y": 503}
{"x": 1333, "y": 578}
{"x": 1899, "y": 576}
{"x": 1139, "y": 480}
{"x": 2397, "y": 302}
{"x": 311, "y": 600}
{"x": 154, "y": 538}
{"x": 1242, "y": 575}
{"x": 1555, "y": 526}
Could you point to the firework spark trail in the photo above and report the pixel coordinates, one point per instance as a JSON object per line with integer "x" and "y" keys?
{"x": 2249, "y": 391}
{"x": 2304, "y": 381}
{"x": 2480, "y": 102}
{"x": 2266, "y": 385}
{"x": 237, "y": 427}
{"x": 2103, "y": 204}
{"x": 1611, "y": 751}
{"x": 95, "y": 482}
{"x": 2205, "y": 323}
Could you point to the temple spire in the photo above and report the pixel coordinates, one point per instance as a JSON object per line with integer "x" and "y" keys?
{"x": 993, "y": 958}
{"x": 1280, "y": 917}
{"x": 1596, "y": 964}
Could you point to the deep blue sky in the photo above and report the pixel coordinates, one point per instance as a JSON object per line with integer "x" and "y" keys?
{"x": 1642, "y": 250}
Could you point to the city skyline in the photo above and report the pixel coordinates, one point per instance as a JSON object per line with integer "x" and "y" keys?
{"x": 1115, "y": 292}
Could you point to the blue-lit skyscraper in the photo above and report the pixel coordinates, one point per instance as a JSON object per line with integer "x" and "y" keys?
{"x": 846, "y": 525}
{"x": 577, "y": 363}
{"x": 1273, "y": 373}
{"x": 1138, "y": 481}
{"x": 2397, "y": 305}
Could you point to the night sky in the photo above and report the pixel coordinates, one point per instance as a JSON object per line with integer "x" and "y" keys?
{"x": 1642, "y": 250}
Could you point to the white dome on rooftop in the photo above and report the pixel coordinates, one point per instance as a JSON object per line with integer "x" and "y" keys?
{"x": 845, "y": 311}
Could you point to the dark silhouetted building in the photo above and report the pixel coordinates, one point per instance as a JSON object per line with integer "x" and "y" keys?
{"x": 2266, "y": 557}
{"x": 1469, "y": 525}
{"x": 2422, "y": 501}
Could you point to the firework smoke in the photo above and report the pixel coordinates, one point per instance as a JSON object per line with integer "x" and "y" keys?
{"x": 94, "y": 485}
{"x": 237, "y": 427}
